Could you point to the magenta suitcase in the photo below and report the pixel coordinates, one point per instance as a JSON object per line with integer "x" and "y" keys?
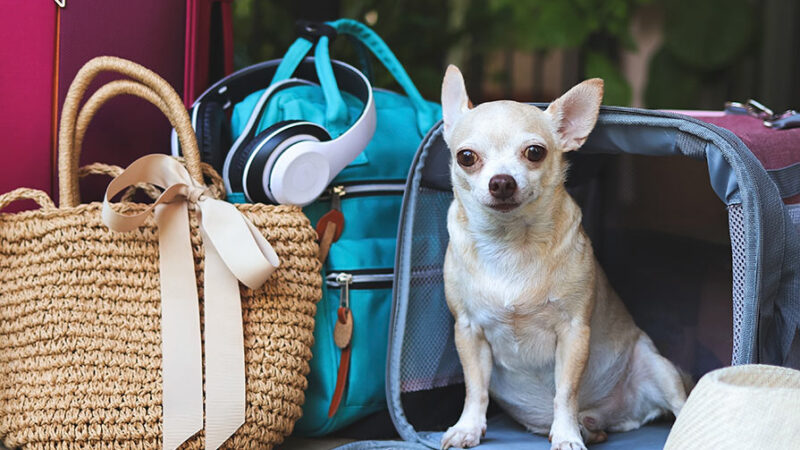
{"x": 42, "y": 46}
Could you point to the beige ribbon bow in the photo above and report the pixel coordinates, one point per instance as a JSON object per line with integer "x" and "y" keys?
{"x": 234, "y": 249}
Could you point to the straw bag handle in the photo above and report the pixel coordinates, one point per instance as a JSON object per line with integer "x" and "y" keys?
{"x": 90, "y": 108}
{"x": 212, "y": 179}
{"x": 148, "y": 85}
{"x": 40, "y": 197}
{"x": 113, "y": 171}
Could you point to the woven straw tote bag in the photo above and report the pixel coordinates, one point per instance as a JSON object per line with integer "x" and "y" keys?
{"x": 83, "y": 346}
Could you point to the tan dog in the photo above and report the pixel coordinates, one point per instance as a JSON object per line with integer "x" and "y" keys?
{"x": 537, "y": 323}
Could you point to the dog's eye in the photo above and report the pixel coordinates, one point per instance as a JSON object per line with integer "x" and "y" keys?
{"x": 466, "y": 158}
{"x": 535, "y": 153}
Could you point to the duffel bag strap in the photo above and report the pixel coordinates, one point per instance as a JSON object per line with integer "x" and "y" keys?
{"x": 426, "y": 117}
{"x": 336, "y": 110}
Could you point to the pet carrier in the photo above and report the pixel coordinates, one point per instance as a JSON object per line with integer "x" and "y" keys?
{"x": 706, "y": 302}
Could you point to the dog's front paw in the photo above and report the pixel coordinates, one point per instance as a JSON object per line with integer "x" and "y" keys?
{"x": 567, "y": 445}
{"x": 463, "y": 434}
{"x": 566, "y": 435}
{"x": 566, "y": 439}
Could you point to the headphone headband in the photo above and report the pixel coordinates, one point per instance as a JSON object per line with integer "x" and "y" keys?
{"x": 296, "y": 164}
{"x": 235, "y": 87}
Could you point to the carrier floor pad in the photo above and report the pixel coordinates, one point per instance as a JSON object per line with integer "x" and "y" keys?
{"x": 503, "y": 433}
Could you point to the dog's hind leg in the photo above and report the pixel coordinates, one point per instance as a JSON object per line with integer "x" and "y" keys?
{"x": 663, "y": 375}
{"x": 591, "y": 424}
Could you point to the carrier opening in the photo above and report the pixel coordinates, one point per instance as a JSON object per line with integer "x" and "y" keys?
{"x": 674, "y": 209}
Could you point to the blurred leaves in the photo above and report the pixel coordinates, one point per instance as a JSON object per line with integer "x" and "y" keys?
{"x": 671, "y": 85}
{"x": 704, "y": 42}
{"x": 413, "y": 29}
{"x": 417, "y": 33}
{"x": 546, "y": 24}
{"x": 263, "y": 30}
{"x": 616, "y": 89}
{"x": 708, "y": 34}
{"x": 703, "y": 39}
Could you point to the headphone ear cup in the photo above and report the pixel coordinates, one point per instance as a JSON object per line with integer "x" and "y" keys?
{"x": 213, "y": 134}
{"x": 239, "y": 159}
{"x": 259, "y": 169}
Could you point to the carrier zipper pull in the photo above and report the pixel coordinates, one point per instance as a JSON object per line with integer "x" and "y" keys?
{"x": 330, "y": 225}
{"x": 342, "y": 336}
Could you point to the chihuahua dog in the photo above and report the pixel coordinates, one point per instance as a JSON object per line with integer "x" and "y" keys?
{"x": 536, "y": 323}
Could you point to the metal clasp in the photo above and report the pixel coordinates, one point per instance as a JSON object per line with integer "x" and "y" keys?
{"x": 751, "y": 107}
{"x": 344, "y": 279}
{"x": 754, "y": 108}
{"x": 314, "y": 30}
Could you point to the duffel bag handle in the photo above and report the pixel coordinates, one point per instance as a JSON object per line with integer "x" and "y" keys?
{"x": 336, "y": 112}
{"x": 147, "y": 85}
{"x": 426, "y": 116}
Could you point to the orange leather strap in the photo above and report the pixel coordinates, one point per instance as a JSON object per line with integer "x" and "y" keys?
{"x": 341, "y": 377}
{"x": 326, "y": 240}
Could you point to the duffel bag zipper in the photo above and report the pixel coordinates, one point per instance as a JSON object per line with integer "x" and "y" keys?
{"x": 360, "y": 279}
{"x": 339, "y": 191}
{"x": 343, "y": 328}
{"x": 334, "y": 194}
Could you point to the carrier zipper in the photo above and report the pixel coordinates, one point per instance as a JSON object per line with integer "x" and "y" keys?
{"x": 360, "y": 279}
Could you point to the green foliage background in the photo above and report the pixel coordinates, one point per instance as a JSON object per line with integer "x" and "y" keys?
{"x": 703, "y": 40}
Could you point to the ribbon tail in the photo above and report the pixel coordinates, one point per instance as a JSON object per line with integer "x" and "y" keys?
{"x": 224, "y": 345}
{"x": 241, "y": 246}
{"x": 180, "y": 328}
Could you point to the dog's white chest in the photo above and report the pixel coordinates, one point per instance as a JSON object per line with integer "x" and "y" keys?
{"x": 517, "y": 319}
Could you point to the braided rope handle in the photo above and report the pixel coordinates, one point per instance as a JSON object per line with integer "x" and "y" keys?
{"x": 113, "y": 172}
{"x": 147, "y": 85}
{"x": 210, "y": 177}
{"x": 40, "y": 197}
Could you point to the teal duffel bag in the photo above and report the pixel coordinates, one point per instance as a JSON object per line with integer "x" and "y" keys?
{"x": 358, "y": 271}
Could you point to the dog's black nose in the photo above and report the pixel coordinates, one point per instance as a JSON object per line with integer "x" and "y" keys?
{"x": 502, "y": 186}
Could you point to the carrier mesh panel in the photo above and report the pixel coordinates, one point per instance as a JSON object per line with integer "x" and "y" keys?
{"x": 429, "y": 358}
{"x": 794, "y": 213}
{"x": 736, "y": 225}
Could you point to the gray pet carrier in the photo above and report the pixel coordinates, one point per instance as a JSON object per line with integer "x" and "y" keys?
{"x": 757, "y": 315}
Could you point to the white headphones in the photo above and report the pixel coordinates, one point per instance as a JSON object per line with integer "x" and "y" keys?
{"x": 290, "y": 162}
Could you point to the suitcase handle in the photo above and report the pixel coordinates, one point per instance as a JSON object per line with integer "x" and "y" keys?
{"x": 147, "y": 85}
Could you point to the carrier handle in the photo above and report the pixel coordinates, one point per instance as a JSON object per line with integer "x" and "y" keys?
{"x": 147, "y": 85}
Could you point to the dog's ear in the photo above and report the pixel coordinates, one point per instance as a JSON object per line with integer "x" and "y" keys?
{"x": 575, "y": 113}
{"x": 454, "y": 97}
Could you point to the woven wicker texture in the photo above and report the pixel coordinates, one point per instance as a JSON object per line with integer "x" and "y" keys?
{"x": 80, "y": 344}
{"x": 741, "y": 407}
